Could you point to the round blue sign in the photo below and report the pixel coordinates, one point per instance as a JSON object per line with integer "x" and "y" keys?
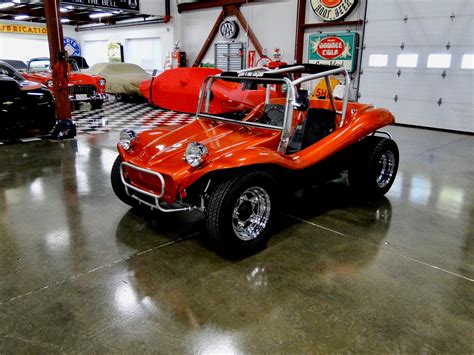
{"x": 71, "y": 46}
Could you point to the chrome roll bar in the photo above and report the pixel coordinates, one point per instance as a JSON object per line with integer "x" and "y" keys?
{"x": 326, "y": 74}
{"x": 290, "y": 98}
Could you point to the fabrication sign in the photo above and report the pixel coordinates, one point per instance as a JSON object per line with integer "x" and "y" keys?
{"x": 334, "y": 49}
{"x": 109, "y": 4}
{"x": 23, "y": 29}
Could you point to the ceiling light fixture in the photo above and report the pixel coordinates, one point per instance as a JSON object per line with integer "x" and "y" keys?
{"x": 63, "y": 9}
{"x": 6, "y": 5}
{"x": 65, "y": 20}
{"x": 100, "y": 15}
{"x": 21, "y": 17}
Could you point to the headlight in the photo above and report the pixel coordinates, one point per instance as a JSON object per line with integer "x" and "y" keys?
{"x": 102, "y": 82}
{"x": 127, "y": 136}
{"x": 195, "y": 154}
{"x": 50, "y": 83}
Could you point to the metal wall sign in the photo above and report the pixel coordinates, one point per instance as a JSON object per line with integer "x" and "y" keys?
{"x": 132, "y": 5}
{"x": 71, "y": 46}
{"x": 229, "y": 29}
{"x": 338, "y": 48}
{"x": 333, "y": 10}
{"x": 23, "y": 29}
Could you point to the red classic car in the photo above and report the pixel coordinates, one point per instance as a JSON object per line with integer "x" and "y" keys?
{"x": 82, "y": 87}
{"x": 178, "y": 90}
{"x": 237, "y": 167}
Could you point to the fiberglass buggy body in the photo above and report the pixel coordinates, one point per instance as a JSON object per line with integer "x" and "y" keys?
{"x": 245, "y": 151}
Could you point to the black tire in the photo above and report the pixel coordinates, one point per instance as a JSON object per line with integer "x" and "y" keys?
{"x": 374, "y": 168}
{"x": 46, "y": 125}
{"x": 97, "y": 104}
{"x": 117, "y": 184}
{"x": 221, "y": 215}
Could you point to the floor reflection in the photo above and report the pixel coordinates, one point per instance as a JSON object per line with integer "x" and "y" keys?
{"x": 178, "y": 279}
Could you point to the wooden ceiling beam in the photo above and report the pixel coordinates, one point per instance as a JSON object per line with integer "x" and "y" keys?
{"x": 206, "y": 4}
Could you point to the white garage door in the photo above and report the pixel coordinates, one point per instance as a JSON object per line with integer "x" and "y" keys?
{"x": 145, "y": 52}
{"x": 95, "y": 51}
{"x": 419, "y": 61}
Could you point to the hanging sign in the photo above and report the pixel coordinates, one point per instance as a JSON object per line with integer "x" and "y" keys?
{"x": 333, "y": 10}
{"x": 23, "y": 29}
{"x": 71, "y": 46}
{"x": 277, "y": 54}
{"x": 229, "y": 29}
{"x": 110, "y": 4}
{"x": 321, "y": 89}
{"x": 333, "y": 49}
{"x": 263, "y": 61}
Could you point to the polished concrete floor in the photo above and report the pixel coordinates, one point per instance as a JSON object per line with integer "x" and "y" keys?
{"x": 82, "y": 272}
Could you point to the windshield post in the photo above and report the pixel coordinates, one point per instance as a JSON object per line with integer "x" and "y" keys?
{"x": 208, "y": 94}
{"x": 201, "y": 95}
{"x": 331, "y": 96}
{"x": 267, "y": 95}
{"x": 288, "y": 120}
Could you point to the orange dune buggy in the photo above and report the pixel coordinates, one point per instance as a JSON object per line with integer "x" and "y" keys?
{"x": 237, "y": 165}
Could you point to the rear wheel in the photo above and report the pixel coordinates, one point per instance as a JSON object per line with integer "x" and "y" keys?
{"x": 241, "y": 212}
{"x": 375, "y": 168}
{"x": 118, "y": 186}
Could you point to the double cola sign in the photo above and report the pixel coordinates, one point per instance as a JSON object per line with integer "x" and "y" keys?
{"x": 333, "y": 49}
{"x": 330, "y": 47}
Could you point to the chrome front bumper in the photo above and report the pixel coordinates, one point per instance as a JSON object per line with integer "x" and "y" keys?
{"x": 89, "y": 98}
{"x": 156, "y": 205}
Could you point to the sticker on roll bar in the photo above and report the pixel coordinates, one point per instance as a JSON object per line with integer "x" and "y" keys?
{"x": 251, "y": 74}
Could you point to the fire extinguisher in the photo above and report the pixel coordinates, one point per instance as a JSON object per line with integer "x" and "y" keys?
{"x": 178, "y": 59}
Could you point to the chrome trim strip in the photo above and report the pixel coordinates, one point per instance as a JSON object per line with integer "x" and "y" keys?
{"x": 383, "y": 133}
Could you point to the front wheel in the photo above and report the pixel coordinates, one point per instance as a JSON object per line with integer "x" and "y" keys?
{"x": 241, "y": 212}
{"x": 118, "y": 186}
{"x": 375, "y": 167}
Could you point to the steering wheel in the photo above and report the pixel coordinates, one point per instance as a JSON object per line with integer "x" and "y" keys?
{"x": 274, "y": 116}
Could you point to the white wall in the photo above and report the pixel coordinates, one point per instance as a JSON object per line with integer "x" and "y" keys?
{"x": 273, "y": 24}
{"x": 24, "y": 47}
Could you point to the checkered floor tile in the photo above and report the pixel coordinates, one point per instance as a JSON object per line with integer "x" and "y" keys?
{"x": 114, "y": 116}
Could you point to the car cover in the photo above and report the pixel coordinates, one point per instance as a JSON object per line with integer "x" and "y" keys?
{"x": 122, "y": 78}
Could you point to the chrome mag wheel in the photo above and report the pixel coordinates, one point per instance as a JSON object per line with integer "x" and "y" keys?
{"x": 251, "y": 213}
{"x": 385, "y": 168}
